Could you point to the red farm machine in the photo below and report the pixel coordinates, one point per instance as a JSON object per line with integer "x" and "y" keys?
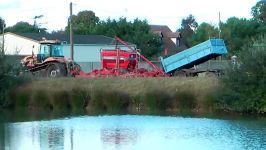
{"x": 123, "y": 63}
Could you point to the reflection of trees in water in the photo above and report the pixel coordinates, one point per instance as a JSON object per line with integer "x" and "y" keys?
{"x": 52, "y": 138}
{"x": 2, "y": 136}
{"x": 118, "y": 136}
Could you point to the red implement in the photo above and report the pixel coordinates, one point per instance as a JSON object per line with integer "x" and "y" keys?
{"x": 122, "y": 63}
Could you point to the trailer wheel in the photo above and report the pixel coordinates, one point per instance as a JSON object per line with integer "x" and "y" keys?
{"x": 180, "y": 73}
{"x": 55, "y": 70}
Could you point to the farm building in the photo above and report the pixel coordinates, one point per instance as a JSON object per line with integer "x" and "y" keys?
{"x": 86, "y": 47}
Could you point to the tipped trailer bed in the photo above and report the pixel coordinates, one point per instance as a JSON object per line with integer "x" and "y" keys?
{"x": 194, "y": 55}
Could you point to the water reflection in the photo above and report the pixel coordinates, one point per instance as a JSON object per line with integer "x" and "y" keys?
{"x": 118, "y": 136}
{"x": 51, "y": 138}
{"x": 134, "y": 132}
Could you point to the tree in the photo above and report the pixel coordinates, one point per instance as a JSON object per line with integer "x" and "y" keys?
{"x": 137, "y": 32}
{"x": 245, "y": 81}
{"x": 188, "y": 26}
{"x": 25, "y": 27}
{"x": 238, "y": 31}
{"x": 259, "y": 11}
{"x": 204, "y": 32}
{"x": 84, "y": 23}
{"x": 2, "y": 21}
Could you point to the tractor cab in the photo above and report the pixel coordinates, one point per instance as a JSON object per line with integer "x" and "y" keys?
{"x": 48, "y": 49}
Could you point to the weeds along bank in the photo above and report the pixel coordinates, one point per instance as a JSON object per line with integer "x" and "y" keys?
{"x": 117, "y": 94}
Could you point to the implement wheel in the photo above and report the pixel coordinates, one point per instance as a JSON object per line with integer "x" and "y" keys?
{"x": 55, "y": 70}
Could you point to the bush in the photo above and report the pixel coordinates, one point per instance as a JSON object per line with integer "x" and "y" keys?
{"x": 245, "y": 80}
{"x": 61, "y": 100}
{"x": 80, "y": 99}
{"x": 40, "y": 100}
{"x": 109, "y": 101}
{"x": 156, "y": 100}
{"x": 8, "y": 79}
{"x": 22, "y": 99}
{"x": 185, "y": 100}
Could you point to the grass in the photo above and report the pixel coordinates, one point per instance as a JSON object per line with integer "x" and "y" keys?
{"x": 118, "y": 94}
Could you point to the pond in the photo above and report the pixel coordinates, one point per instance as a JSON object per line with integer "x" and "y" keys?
{"x": 134, "y": 132}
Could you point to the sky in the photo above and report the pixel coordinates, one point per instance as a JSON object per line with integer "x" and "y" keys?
{"x": 157, "y": 12}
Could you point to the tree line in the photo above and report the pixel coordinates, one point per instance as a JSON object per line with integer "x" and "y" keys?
{"x": 235, "y": 31}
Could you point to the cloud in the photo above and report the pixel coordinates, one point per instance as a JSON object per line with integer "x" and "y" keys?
{"x": 9, "y": 4}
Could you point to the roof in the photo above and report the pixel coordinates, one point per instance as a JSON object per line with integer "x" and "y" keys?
{"x": 162, "y": 28}
{"x": 165, "y": 30}
{"x": 77, "y": 39}
{"x": 173, "y": 34}
{"x": 166, "y": 35}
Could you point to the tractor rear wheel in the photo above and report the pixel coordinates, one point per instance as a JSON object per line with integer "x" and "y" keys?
{"x": 55, "y": 70}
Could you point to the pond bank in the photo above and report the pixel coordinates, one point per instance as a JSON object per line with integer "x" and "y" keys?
{"x": 134, "y": 95}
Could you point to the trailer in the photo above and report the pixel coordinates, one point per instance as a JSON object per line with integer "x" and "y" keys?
{"x": 193, "y": 56}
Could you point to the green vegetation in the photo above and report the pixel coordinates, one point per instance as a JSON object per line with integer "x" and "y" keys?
{"x": 244, "y": 83}
{"x": 235, "y": 31}
{"x": 137, "y": 32}
{"x": 115, "y": 95}
{"x": 25, "y": 27}
{"x": 259, "y": 11}
{"x": 188, "y": 25}
{"x": 241, "y": 89}
{"x": 8, "y": 78}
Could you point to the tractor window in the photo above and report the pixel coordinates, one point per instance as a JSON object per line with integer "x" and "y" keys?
{"x": 57, "y": 50}
{"x": 44, "y": 50}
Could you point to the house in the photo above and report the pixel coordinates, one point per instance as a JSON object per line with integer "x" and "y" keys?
{"x": 171, "y": 40}
{"x": 86, "y": 47}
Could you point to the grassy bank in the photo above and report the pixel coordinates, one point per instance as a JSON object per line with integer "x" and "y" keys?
{"x": 117, "y": 95}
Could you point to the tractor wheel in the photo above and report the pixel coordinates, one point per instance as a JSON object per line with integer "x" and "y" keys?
{"x": 55, "y": 70}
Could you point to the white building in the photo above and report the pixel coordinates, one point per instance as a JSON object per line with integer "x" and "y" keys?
{"x": 16, "y": 44}
{"x": 86, "y": 48}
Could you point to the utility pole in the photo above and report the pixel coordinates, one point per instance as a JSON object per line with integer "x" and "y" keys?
{"x": 3, "y": 42}
{"x": 71, "y": 34}
{"x": 219, "y": 26}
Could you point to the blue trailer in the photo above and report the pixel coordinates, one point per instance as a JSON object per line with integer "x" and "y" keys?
{"x": 194, "y": 55}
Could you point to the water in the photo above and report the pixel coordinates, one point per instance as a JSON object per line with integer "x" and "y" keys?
{"x": 132, "y": 132}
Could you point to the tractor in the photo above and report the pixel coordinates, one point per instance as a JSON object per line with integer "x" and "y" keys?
{"x": 49, "y": 62}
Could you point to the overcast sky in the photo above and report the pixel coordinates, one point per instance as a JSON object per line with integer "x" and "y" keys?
{"x": 161, "y": 12}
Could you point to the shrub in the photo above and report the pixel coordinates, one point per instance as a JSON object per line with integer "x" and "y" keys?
{"x": 40, "y": 100}
{"x": 96, "y": 104}
{"x": 245, "y": 80}
{"x": 8, "y": 79}
{"x": 80, "y": 99}
{"x": 185, "y": 100}
{"x": 22, "y": 99}
{"x": 61, "y": 100}
{"x": 115, "y": 101}
{"x": 156, "y": 100}
{"x": 109, "y": 101}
